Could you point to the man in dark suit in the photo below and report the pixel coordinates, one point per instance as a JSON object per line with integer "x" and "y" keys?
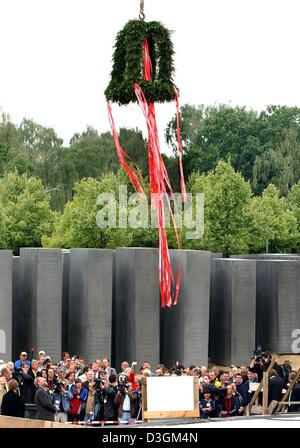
{"x": 276, "y": 385}
{"x": 45, "y": 409}
{"x": 12, "y": 404}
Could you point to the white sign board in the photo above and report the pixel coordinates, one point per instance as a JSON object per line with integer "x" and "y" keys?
{"x": 170, "y": 393}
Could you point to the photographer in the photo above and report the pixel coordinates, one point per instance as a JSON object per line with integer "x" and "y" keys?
{"x": 125, "y": 401}
{"x": 26, "y": 385}
{"x": 104, "y": 398}
{"x": 257, "y": 366}
{"x": 61, "y": 397}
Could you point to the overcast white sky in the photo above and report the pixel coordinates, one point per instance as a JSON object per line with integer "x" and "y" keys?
{"x": 56, "y": 55}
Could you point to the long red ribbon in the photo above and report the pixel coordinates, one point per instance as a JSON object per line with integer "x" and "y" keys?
{"x": 136, "y": 180}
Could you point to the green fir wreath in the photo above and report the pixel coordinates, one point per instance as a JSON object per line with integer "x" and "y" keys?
{"x": 128, "y": 63}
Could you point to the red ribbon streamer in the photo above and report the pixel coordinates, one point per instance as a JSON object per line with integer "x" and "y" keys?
{"x": 137, "y": 181}
{"x": 182, "y": 183}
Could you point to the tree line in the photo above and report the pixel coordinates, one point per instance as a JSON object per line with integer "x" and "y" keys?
{"x": 246, "y": 163}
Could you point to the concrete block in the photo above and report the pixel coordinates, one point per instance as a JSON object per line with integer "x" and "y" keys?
{"x": 232, "y": 311}
{"x": 41, "y": 300}
{"x": 5, "y": 305}
{"x": 65, "y": 299}
{"x": 186, "y": 325}
{"x": 90, "y": 303}
{"x": 137, "y": 306}
{"x": 278, "y": 304}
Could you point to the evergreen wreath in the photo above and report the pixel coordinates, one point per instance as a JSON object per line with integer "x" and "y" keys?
{"x": 128, "y": 63}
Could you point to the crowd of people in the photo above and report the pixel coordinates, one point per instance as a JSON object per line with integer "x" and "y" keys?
{"x": 73, "y": 390}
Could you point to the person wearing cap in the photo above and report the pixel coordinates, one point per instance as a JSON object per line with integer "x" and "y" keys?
{"x": 22, "y": 361}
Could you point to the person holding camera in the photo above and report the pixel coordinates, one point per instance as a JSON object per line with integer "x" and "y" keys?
{"x": 257, "y": 366}
{"x": 125, "y": 402}
{"x": 61, "y": 400}
{"x": 104, "y": 399}
{"x": 26, "y": 385}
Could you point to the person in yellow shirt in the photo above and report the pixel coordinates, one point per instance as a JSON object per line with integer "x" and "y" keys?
{"x": 213, "y": 379}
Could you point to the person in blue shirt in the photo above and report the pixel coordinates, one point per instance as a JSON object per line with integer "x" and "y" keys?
{"x": 207, "y": 405}
{"x": 22, "y": 361}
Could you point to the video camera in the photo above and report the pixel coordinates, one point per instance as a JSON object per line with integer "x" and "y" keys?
{"x": 57, "y": 387}
{"x": 258, "y": 353}
{"x": 98, "y": 384}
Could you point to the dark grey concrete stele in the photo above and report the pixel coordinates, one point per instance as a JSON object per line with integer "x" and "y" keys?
{"x": 5, "y": 304}
{"x": 137, "y": 306}
{"x": 232, "y": 311}
{"x": 40, "y": 300}
{"x": 18, "y": 324}
{"x": 278, "y": 303}
{"x": 65, "y": 300}
{"x": 186, "y": 325}
{"x": 268, "y": 256}
{"x": 90, "y": 303}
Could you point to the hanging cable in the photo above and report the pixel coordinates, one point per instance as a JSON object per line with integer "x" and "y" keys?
{"x": 142, "y": 13}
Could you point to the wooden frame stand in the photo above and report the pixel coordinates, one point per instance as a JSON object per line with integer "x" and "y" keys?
{"x": 147, "y": 415}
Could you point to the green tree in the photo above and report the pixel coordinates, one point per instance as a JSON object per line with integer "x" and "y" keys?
{"x": 217, "y": 132}
{"x": 191, "y": 124}
{"x": 273, "y": 223}
{"x": 136, "y": 146}
{"x": 234, "y": 134}
{"x": 8, "y": 140}
{"x": 3, "y": 228}
{"x": 273, "y": 123}
{"x": 26, "y": 208}
{"x": 37, "y": 138}
{"x": 293, "y": 201}
{"x": 280, "y": 166}
{"x": 226, "y": 209}
{"x": 77, "y": 226}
